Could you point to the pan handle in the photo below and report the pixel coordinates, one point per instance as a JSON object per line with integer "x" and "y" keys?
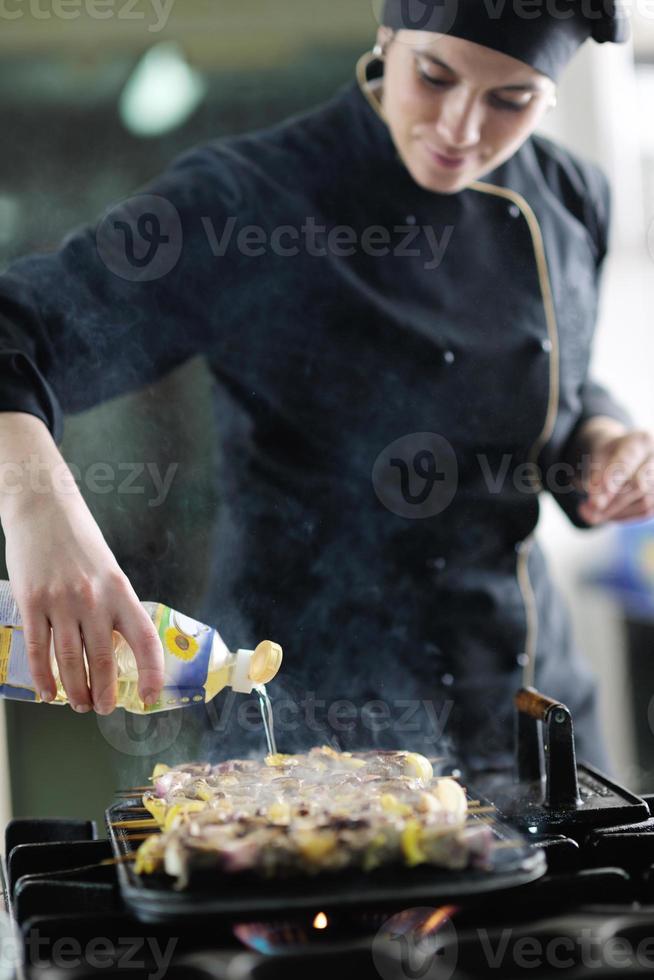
{"x": 552, "y": 740}
{"x": 531, "y": 702}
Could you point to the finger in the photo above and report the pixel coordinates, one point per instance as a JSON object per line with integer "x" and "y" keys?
{"x": 103, "y": 674}
{"x": 641, "y": 510}
{"x": 639, "y": 487}
{"x": 139, "y": 631}
{"x": 70, "y": 658}
{"x": 37, "y": 636}
{"x": 629, "y": 496}
{"x": 620, "y": 469}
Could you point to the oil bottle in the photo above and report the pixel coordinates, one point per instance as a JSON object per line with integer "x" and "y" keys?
{"x": 197, "y": 663}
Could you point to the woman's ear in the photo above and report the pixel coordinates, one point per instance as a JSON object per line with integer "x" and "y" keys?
{"x": 384, "y": 37}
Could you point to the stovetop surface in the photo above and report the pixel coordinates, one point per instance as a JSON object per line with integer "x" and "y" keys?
{"x": 592, "y": 915}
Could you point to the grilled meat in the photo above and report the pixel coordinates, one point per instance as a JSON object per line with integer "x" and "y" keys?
{"x": 307, "y": 814}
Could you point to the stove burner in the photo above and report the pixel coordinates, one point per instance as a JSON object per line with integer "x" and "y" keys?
{"x": 324, "y": 929}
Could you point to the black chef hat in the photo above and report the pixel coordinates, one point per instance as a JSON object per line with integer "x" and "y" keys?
{"x": 543, "y": 34}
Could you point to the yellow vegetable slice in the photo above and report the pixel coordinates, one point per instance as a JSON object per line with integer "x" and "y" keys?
{"x": 279, "y": 813}
{"x": 278, "y": 759}
{"x": 203, "y": 791}
{"x": 149, "y": 856}
{"x": 411, "y": 844}
{"x": 418, "y": 767}
{"x": 156, "y": 807}
{"x": 180, "y": 810}
{"x": 452, "y": 797}
{"x": 390, "y": 803}
{"x": 315, "y": 847}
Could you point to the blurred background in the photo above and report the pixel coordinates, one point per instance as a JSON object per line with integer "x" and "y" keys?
{"x": 92, "y": 107}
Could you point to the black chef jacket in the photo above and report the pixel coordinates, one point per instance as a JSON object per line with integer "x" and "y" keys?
{"x": 331, "y": 364}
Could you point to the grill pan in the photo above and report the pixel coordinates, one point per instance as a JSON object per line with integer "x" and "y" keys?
{"x": 238, "y": 897}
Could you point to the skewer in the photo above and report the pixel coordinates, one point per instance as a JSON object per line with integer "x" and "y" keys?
{"x": 107, "y": 862}
{"x": 134, "y": 838}
{"x": 474, "y": 809}
{"x": 133, "y": 789}
{"x": 137, "y": 824}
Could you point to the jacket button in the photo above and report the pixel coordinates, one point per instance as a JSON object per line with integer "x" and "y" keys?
{"x": 410, "y": 219}
{"x": 514, "y": 211}
{"x": 447, "y": 680}
{"x": 436, "y": 564}
{"x": 522, "y": 659}
{"x": 547, "y": 345}
{"x": 449, "y": 357}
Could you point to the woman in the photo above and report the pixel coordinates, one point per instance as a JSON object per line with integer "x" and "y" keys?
{"x": 396, "y": 293}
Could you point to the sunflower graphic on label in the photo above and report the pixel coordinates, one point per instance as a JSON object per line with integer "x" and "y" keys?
{"x": 183, "y": 636}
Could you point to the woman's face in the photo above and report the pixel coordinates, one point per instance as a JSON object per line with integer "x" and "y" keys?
{"x": 456, "y": 110}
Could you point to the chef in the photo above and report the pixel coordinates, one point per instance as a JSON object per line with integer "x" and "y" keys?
{"x": 396, "y": 293}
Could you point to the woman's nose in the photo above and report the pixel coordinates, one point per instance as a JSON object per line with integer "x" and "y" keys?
{"x": 460, "y": 120}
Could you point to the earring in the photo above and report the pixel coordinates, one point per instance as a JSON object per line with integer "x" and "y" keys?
{"x": 378, "y": 50}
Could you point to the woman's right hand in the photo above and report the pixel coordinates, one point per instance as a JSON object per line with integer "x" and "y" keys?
{"x": 69, "y": 587}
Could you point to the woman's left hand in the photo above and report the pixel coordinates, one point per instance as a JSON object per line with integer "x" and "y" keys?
{"x": 618, "y": 472}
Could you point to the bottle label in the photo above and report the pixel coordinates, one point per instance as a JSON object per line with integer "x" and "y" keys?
{"x": 187, "y": 646}
{"x": 15, "y": 678}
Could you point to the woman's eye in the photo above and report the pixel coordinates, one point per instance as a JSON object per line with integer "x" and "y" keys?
{"x": 499, "y": 103}
{"x": 432, "y": 79}
{"x": 508, "y": 105}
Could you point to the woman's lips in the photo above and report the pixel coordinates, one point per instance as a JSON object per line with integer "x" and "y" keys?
{"x": 450, "y": 163}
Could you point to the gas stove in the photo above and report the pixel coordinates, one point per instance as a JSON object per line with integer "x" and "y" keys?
{"x": 590, "y": 916}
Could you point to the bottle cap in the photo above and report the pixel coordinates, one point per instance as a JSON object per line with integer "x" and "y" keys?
{"x": 265, "y": 663}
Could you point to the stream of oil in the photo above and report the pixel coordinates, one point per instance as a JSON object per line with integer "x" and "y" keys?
{"x": 267, "y": 716}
